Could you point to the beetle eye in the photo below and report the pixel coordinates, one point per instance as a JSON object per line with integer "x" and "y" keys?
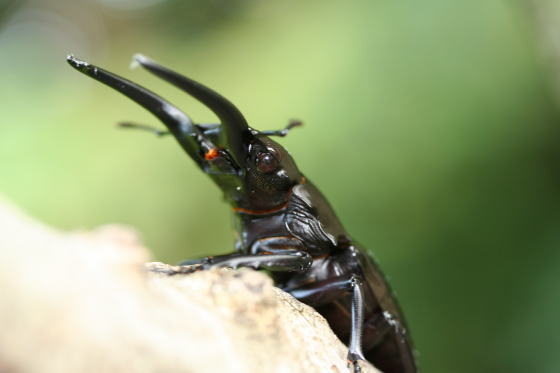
{"x": 266, "y": 162}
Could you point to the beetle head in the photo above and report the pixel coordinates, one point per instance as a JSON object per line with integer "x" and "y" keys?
{"x": 254, "y": 172}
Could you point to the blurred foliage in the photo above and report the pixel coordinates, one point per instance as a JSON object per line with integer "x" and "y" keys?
{"x": 429, "y": 125}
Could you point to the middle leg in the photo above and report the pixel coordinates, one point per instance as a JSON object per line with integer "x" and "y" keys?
{"x": 330, "y": 290}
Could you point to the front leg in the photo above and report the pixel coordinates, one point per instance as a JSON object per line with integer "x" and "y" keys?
{"x": 287, "y": 261}
{"x": 276, "y": 254}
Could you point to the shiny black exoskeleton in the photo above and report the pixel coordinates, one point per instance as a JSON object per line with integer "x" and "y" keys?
{"x": 285, "y": 224}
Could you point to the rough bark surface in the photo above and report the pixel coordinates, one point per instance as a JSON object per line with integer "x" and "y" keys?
{"x": 87, "y": 302}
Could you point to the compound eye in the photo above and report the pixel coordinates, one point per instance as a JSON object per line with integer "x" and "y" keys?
{"x": 266, "y": 163}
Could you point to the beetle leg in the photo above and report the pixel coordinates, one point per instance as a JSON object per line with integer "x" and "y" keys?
{"x": 357, "y": 330}
{"x": 199, "y": 261}
{"x": 286, "y": 261}
{"x": 276, "y": 245}
{"x": 326, "y": 291}
{"x": 283, "y": 132}
{"x": 144, "y": 127}
{"x": 277, "y": 254}
{"x": 210, "y": 131}
{"x": 321, "y": 292}
{"x": 174, "y": 270}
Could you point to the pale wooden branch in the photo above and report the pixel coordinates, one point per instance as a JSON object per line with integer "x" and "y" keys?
{"x": 84, "y": 302}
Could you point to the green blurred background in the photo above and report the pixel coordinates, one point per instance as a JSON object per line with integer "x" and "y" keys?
{"x": 430, "y": 126}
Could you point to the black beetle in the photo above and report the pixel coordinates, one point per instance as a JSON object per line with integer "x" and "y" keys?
{"x": 285, "y": 224}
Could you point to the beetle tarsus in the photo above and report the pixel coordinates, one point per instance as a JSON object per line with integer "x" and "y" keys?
{"x": 354, "y": 363}
{"x": 143, "y": 127}
{"x": 175, "y": 270}
{"x": 283, "y": 132}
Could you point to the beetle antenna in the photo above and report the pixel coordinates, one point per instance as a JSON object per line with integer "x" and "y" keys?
{"x": 283, "y": 132}
{"x": 143, "y": 127}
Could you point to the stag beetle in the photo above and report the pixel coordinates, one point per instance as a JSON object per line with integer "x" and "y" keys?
{"x": 285, "y": 225}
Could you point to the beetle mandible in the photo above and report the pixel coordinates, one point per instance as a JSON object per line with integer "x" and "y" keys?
{"x": 285, "y": 224}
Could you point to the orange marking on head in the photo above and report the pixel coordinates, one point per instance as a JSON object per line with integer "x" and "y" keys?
{"x": 211, "y": 154}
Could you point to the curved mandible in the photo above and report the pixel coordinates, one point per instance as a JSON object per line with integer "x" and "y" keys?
{"x": 236, "y": 128}
{"x": 178, "y": 123}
